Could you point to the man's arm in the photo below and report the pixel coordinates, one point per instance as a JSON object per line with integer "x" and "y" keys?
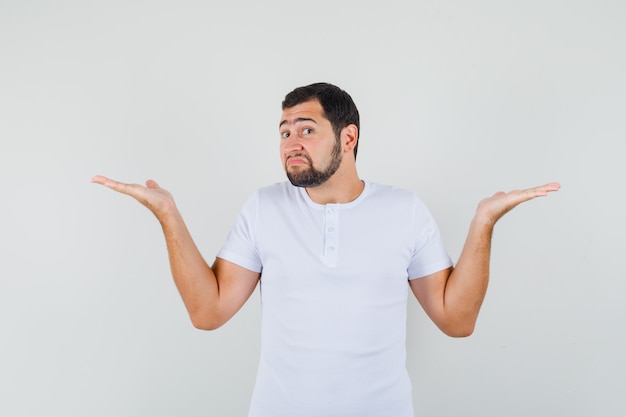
{"x": 452, "y": 297}
{"x": 212, "y": 295}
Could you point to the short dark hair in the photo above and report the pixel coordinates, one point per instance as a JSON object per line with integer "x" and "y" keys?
{"x": 338, "y": 106}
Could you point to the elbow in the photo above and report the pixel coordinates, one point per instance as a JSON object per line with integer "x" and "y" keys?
{"x": 459, "y": 333}
{"x": 459, "y": 330}
{"x": 204, "y": 325}
{"x": 205, "y": 322}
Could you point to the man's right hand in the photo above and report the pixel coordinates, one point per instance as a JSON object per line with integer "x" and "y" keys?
{"x": 208, "y": 303}
{"x": 158, "y": 200}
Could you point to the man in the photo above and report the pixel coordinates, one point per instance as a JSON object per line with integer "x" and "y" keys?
{"x": 335, "y": 257}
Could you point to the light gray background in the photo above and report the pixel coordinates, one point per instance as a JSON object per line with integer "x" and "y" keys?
{"x": 458, "y": 100}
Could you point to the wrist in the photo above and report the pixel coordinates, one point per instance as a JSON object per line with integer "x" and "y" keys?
{"x": 167, "y": 213}
{"x": 482, "y": 220}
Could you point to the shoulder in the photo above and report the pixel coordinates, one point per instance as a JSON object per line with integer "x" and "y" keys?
{"x": 281, "y": 194}
{"x": 267, "y": 199}
{"x": 279, "y": 190}
{"x": 391, "y": 194}
{"x": 277, "y": 187}
{"x": 396, "y": 198}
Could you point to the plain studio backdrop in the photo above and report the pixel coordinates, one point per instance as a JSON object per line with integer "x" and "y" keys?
{"x": 458, "y": 100}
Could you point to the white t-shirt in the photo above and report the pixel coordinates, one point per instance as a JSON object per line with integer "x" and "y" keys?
{"x": 334, "y": 297}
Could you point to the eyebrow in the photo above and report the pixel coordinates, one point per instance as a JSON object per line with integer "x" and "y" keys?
{"x": 298, "y": 120}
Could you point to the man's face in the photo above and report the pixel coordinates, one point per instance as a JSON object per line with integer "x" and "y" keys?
{"x": 309, "y": 149}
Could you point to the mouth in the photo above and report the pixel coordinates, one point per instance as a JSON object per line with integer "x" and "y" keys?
{"x": 296, "y": 160}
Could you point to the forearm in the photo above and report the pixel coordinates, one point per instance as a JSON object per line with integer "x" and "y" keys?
{"x": 210, "y": 301}
{"x": 452, "y": 299}
{"x": 467, "y": 284}
{"x": 195, "y": 280}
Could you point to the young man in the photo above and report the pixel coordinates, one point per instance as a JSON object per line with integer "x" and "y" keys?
{"x": 335, "y": 257}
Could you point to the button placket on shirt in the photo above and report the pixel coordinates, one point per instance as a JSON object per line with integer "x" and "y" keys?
{"x": 331, "y": 243}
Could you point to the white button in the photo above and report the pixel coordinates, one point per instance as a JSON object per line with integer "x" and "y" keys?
{"x": 331, "y": 229}
{"x": 331, "y": 248}
{"x": 330, "y": 211}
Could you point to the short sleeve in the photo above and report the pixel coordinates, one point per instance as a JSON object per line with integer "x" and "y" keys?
{"x": 240, "y": 247}
{"x": 429, "y": 255}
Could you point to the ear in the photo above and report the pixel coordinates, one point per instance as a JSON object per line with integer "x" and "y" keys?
{"x": 349, "y": 138}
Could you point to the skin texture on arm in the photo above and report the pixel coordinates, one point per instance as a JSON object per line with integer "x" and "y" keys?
{"x": 212, "y": 295}
{"x": 452, "y": 297}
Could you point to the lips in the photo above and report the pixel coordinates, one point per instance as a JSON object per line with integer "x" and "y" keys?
{"x": 297, "y": 160}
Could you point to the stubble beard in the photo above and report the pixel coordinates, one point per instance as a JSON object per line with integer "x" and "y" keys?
{"x": 312, "y": 177}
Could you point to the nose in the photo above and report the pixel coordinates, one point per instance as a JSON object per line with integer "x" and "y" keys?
{"x": 291, "y": 144}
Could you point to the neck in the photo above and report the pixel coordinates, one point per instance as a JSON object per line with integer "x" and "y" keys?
{"x": 343, "y": 187}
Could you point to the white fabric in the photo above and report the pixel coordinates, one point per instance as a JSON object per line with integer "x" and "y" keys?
{"x": 334, "y": 292}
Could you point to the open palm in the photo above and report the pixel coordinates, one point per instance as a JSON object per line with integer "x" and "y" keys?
{"x": 158, "y": 200}
{"x": 491, "y": 209}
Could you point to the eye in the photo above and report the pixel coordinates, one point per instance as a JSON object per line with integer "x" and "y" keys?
{"x": 307, "y": 131}
{"x": 284, "y": 135}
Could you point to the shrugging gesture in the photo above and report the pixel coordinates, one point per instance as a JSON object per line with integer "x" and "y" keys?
{"x": 334, "y": 286}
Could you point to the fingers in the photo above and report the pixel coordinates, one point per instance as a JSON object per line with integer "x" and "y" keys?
{"x": 500, "y": 203}
{"x": 155, "y": 198}
{"x": 543, "y": 190}
{"x": 99, "y": 179}
{"x": 107, "y": 182}
{"x": 551, "y": 187}
{"x": 517, "y": 197}
{"x": 129, "y": 189}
